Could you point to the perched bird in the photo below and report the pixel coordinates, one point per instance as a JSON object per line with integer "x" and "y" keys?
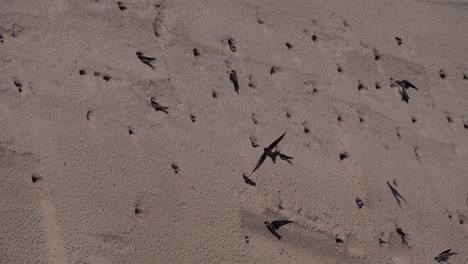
{"x": 403, "y": 236}
{"x": 146, "y": 60}
{"x": 158, "y": 107}
{"x": 233, "y": 78}
{"x": 402, "y": 87}
{"x": 275, "y": 225}
{"x": 268, "y": 152}
{"x": 444, "y": 256}
{"x": 396, "y": 194}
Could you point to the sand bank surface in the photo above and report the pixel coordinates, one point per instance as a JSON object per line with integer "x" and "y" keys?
{"x": 123, "y": 138}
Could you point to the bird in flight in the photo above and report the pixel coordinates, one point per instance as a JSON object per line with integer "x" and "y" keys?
{"x": 158, "y": 107}
{"x": 248, "y": 180}
{"x": 403, "y": 86}
{"x": 268, "y": 152}
{"x": 146, "y": 60}
{"x": 444, "y": 256}
{"x": 396, "y": 194}
{"x": 403, "y": 236}
{"x": 275, "y": 225}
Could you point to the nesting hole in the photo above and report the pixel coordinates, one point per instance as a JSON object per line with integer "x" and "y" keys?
{"x": 314, "y": 38}
{"x": 82, "y": 72}
{"x": 175, "y": 167}
{"x": 196, "y": 53}
{"x": 443, "y": 74}
{"x": 214, "y": 94}
{"x": 35, "y": 178}
{"x": 344, "y": 155}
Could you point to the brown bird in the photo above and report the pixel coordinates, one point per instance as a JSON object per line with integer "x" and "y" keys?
{"x": 275, "y": 225}
{"x": 268, "y": 152}
{"x": 146, "y": 60}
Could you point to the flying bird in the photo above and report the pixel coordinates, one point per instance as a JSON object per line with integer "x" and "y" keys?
{"x": 268, "y": 152}
{"x": 275, "y": 225}
{"x": 403, "y": 236}
{"x": 403, "y": 86}
{"x": 444, "y": 256}
{"x": 146, "y": 60}
{"x": 396, "y": 194}
{"x": 249, "y": 181}
{"x": 158, "y": 107}
{"x": 233, "y": 78}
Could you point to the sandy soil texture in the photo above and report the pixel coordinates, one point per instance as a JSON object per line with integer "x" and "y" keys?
{"x": 129, "y": 131}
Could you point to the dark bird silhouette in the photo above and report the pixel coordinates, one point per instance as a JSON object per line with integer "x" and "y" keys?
{"x": 403, "y": 86}
{"x": 396, "y": 194}
{"x": 404, "y": 236}
{"x": 158, "y": 107}
{"x": 444, "y": 256}
{"x": 233, "y": 78}
{"x": 275, "y": 225}
{"x": 268, "y": 152}
{"x": 249, "y": 181}
{"x": 146, "y": 60}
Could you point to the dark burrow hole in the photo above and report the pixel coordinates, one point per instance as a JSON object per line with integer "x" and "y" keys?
{"x": 449, "y": 119}
{"x": 442, "y": 74}
{"x": 288, "y": 115}
{"x": 35, "y": 178}
{"x": 344, "y": 155}
{"x": 399, "y": 41}
{"x": 89, "y": 115}
{"x": 289, "y": 45}
{"x": 247, "y": 239}
{"x": 232, "y": 44}
{"x": 260, "y": 21}
{"x": 196, "y": 53}
{"x": 465, "y": 76}
{"x": 175, "y": 167}
{"x": 359, "y": 203}
{"x": 306, "y": 130}
{"x": 361, "y": 86}
{"x": 377, "y": 55}
{"x": 131, "y": 131}
{"x": 97, "y": 74}
{"x": 339, "y": 68}
{"x": 106, "y": 78}
{"x": 274, "y": 69}
{"x": 214, "y": 94}
{"x": 314, "y": 91}
{"x": 461, "y": 222}
{"x": 1, "y": 38}
{"x": 314, "y": 38}
{"x": 377, "y": 86}
{"x": 413, "y": 120}
{"x": 361, "y": 120}
{"x": 138, "y": 210}
{"x": 450, "y": 216}
{"x": 192, "y": 117}
{"x": 339, "y": 240}
{"x": 82, "y": 72}
{"x": 339, "y": 119}
{"x": 465, "y": 125}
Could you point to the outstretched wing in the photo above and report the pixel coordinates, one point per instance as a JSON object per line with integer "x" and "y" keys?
{"x": 279, "y": 223}
{"x": 409, "y": 85}
{"x": 260, "y": 162}
{"x": 249, "y": 181}
{"x": 273, "y": 145}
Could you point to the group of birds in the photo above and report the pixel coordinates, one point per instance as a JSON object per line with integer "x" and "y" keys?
{"x": 272, "y": 152}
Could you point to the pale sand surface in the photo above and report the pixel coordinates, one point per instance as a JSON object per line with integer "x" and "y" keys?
{"x": 104, "y": 195}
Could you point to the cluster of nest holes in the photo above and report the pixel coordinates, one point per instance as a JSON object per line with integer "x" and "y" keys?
{"x": 18, "y": 85}
{"x": 175, "y": 168}
{"x": 399, "y": 41}
{"x": 193, "y": 118}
